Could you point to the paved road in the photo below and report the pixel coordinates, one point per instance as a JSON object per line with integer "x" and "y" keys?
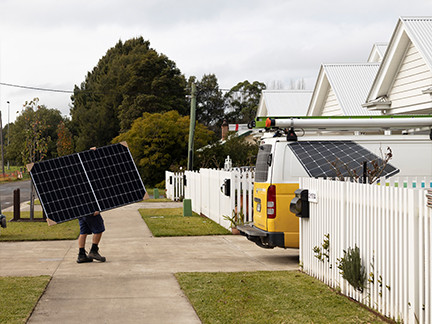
{"x": 6, "y": 192}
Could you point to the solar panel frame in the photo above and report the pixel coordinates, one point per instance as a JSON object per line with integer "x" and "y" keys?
{"x": 317, "y": 157}
{"x": 70, "y": 187}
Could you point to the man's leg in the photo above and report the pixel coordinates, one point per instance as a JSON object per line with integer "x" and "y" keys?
{"x": 82, "y": 240}
{"x": 96, "y": 238}
{"x": 82, "y": 256}
{"x": 94, "y": 252}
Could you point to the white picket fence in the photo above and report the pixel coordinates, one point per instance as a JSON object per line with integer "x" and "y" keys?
{"x": 205, "y": 189}
{"x": 391, "y": 226}
{"x": 174, "y": 185}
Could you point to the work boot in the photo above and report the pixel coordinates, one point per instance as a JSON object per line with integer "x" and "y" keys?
{"x": 82, "y": 258}
{"x": 94, "y": 254}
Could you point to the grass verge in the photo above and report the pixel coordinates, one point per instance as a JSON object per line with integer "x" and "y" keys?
{"x": 171, "y": 222}
{"x": 37, "y": 231}
{"x": 268, "y": 297}
{"x": 19, "y": 296}
{"x": 152, "y": 200}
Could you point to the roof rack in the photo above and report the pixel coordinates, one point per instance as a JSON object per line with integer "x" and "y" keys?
{"x": 399, "y": 122}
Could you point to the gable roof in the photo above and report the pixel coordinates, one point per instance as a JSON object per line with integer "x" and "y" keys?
{"x": 282, "y": 103}
{"x": 415, "y": 30}
{"x": 419, "y": 30}
{"x": 377, "y": 53}
{"x": 350, "y": 84}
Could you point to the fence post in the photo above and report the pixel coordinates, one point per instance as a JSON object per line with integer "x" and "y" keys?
{"x": 413, "y": 260}
{"x": 16, "y": 204}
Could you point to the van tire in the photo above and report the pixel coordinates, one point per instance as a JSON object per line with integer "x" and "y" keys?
{"x": 263, "y": 245}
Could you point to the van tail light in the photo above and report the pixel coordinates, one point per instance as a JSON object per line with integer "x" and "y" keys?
{"x": 271, "y": 201}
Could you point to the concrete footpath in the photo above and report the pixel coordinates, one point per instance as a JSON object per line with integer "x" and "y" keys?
{"x": 136, "y": 284}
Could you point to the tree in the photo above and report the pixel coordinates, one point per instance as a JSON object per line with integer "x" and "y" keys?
{"x": 64, "y": 140}
{"x": 210, "y": 102}
{"x": 132, "y": 78}
{"x": 33, "y": 135}
{"x": 241, "y": 152}
{"x": 36, "y": 138}
{"x": 243, "y": 100}
{"x": 158, "y": 142}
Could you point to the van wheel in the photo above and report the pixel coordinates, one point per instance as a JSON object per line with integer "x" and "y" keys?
{"x": 263, "y": 245}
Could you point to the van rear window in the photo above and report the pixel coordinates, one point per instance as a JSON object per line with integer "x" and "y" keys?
{"x": 261, "y": 167}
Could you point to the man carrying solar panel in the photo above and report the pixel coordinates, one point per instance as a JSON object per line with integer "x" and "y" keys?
{"x": 93, "y": 224}
{"x": 76, "y": 185}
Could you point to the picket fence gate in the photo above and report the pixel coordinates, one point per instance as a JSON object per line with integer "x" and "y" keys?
{"x": 391, "y": 225}
{"x": 206, "y": 189}
{"x": 174, "y": 185}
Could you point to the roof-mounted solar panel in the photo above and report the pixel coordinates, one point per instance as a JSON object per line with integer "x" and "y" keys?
{"x": 331, "y": 159}
{"x": 83, "y": 183}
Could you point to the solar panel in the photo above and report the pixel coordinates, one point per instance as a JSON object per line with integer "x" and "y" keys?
{"x": 322, "y": 158}
{"x": 113, "y": 176}
{"x": 80, "y": 184}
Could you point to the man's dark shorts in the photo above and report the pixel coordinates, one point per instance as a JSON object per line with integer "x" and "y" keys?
{"x": 91, "y": 224}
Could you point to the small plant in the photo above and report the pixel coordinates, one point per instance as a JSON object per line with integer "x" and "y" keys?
{"x": 323, "y": 253}
{"x": 379, "y": 279}
{"x": 326, "y": 246}
{"x": 318, "y": 253}
{"x": 373, "y": 172}
{"x": 352, "y": 269}
{"x": 235, "y": 219}
{"x": 371, "y": 273}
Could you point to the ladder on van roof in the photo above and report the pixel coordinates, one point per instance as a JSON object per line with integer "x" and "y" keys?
{"x": 398, "y": 122}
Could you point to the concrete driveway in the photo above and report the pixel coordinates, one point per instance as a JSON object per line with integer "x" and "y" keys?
{"x": 136, "y": 284}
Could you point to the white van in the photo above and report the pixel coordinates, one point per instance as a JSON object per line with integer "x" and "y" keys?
{"x": 285, "y": 156}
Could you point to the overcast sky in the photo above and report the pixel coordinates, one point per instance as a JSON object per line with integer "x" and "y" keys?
{"x": 53, "y": 44}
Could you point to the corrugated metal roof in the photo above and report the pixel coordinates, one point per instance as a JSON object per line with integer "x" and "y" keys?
{"x": 381, "y": 48}
{"x": 377, "y": 52}
{"x": 351, "y": 84}
{"x": 280, "y": 103}
{"x": 419, "y": 30}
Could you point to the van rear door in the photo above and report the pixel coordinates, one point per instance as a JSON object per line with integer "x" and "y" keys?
{"x": 262, "y": 182}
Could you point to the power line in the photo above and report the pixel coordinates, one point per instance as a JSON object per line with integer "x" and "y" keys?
{"x": 34, "y": 88}
{"x": 71, "y": 92}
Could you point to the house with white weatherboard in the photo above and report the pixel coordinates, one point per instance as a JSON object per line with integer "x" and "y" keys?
{"x": 341, "y": 89}
{"x": 403, "y": 84}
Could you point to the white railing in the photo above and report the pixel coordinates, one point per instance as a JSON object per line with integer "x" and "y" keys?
{"x": 391, "y": 226}
{"x": 206, "y": 189}
{"x": 174, "y": 185}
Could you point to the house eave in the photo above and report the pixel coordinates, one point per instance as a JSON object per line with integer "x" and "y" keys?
{"x": 377, "y": 105}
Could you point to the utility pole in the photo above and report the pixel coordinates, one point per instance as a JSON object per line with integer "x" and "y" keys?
{"x": 8, "y": 132}
{"x": 191, "y": 128}
{"x": 8, "y": 102}
{"x": 1, "y": 143}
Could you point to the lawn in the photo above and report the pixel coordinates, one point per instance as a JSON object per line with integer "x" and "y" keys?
{"x": 171, "y": 222}
{"x": 152, "y": 200}
{"x": 269, "y": 297}
{"x": 18, "y": 296}
{"x": 37, "y": 231}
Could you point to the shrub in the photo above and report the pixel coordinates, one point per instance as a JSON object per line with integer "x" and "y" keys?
{"x": 352, "y": 269}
